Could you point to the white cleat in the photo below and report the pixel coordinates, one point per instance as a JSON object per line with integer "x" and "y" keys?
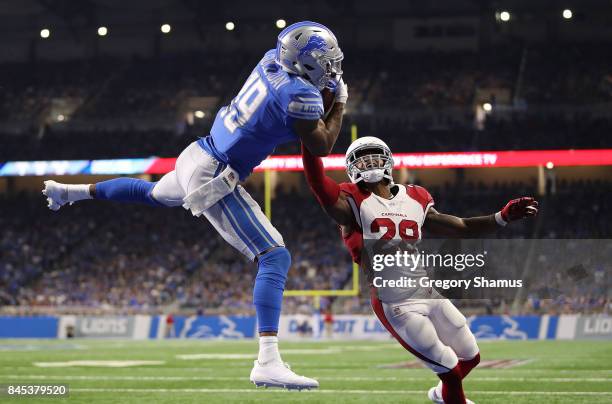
{"x": 56, "y": 193}
{"x": 278, "y": 374}
{"x": 435, "y": 395}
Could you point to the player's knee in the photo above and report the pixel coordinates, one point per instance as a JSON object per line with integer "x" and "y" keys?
{"x": 442, "y": 357}
{"x": 271, "y": 277}
{"x": 158, "y": 197}
{"x": 167, "y": 193}
{"x": 471, "y": 362}
{"x": 430, "y": 344}
{"x": 452, "y": 376}
{"x": 475, "y": 360}
{"x": 277, "y": 256}
{"x": 420, "y": 332}
{"x": 274, "y": 265}
{"x": 452, "y": 314}
{"x": 474, "y": 351}
{"x": 465, "y": 345}
{"x": 447, "y": 357}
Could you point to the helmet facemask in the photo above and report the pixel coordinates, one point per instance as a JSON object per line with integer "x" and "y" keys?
{"x": 319, "y": 68}
{"x": 370, "y": 164}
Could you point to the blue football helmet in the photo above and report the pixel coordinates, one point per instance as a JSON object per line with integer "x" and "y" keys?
{"x": 310, "y": 50}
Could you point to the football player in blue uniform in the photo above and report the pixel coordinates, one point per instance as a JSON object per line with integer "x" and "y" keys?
{"x": 280, "y": 102}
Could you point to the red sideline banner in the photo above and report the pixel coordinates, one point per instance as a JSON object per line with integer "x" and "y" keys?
{"x": 157, "y": 165}
{"x": 520, "y": 158}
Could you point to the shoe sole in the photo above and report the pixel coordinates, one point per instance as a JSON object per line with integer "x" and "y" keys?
{"x": 283, "y": 386}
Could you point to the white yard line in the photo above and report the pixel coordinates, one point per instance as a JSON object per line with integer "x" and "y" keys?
{"x": 329, "y": 378}
{"x": 325, "y": 391}
{"x": 97, "y": 363}
{"x": 510, "y": 371}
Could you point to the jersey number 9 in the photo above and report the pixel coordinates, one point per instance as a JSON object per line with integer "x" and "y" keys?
{"x": 245, "y": 104}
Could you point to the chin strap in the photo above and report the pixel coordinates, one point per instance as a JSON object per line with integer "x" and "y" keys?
{"x": 325, "y": 189}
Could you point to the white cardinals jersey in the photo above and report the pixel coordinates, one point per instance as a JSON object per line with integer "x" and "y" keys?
{"x": 423, "y": 322}
{"x": 397, "y": 219}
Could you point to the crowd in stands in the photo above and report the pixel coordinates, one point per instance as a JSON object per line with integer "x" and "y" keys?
{"x": 426, "y": 79}
{"x": 136, "y": 258}
{"x": 517, "y": 132}
{"x": 29, "y": 88}
{"x": 112, "y": 88}
{"x": 146, "y": 257}
{"x": 115, "y": 97}
{"x": 567, "y": 75}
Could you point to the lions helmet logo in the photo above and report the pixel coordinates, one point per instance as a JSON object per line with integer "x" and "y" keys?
{"x": 315, "y": 42}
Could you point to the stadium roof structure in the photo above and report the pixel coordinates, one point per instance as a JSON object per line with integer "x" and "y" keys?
{"x": 86, "y": 29}
{"x": 23, "y": 15}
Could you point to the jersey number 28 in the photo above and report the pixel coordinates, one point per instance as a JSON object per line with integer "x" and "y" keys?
{"x": 408, "y": 229}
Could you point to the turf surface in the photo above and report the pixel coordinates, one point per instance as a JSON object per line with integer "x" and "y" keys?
{"x": 552, "y": 372}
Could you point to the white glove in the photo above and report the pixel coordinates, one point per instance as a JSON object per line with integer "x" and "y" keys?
{"x": 341, "y": 91}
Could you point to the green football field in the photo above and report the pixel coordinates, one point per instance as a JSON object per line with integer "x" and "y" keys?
{"x": 182, "y": 371}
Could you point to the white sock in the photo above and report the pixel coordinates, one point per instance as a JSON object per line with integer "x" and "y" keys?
{"x": 439, "y": 389}
{"x": 268, "y": 350}
{"x": 77, "y": 192}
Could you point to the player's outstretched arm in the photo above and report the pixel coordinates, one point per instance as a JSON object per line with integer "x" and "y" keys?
{"x": 326, "y": 190}
{"x": 319, "y": 136}
{"x": 453, "y": 226}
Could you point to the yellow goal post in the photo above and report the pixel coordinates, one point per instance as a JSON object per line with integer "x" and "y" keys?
{"x": 316, "y": 294}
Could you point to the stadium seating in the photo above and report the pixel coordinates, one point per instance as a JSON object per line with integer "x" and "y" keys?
{"x": 392, "y": 95}
{"x": 78, "y": 259}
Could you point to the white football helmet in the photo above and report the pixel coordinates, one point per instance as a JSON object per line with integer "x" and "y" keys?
{"x": 310, "y": 50}
{"x": 369, "y": 159}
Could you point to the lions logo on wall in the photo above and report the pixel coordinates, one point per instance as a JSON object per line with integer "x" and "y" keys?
{"x": 224, "y": 327}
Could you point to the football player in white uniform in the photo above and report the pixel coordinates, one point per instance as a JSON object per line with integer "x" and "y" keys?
{"x": 373, "y": 207}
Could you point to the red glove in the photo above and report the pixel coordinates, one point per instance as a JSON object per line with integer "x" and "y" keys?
{"x": 517, "y": 209}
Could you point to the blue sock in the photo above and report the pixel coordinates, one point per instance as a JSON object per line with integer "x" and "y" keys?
{"x": 269, "y": 287}
{"x": 126, "y": 189}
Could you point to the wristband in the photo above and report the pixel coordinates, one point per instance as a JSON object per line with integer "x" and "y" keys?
{"x": 500, "y": 220}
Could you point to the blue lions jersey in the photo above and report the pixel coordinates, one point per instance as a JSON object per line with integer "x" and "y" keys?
{"x": 261, "y": 116}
